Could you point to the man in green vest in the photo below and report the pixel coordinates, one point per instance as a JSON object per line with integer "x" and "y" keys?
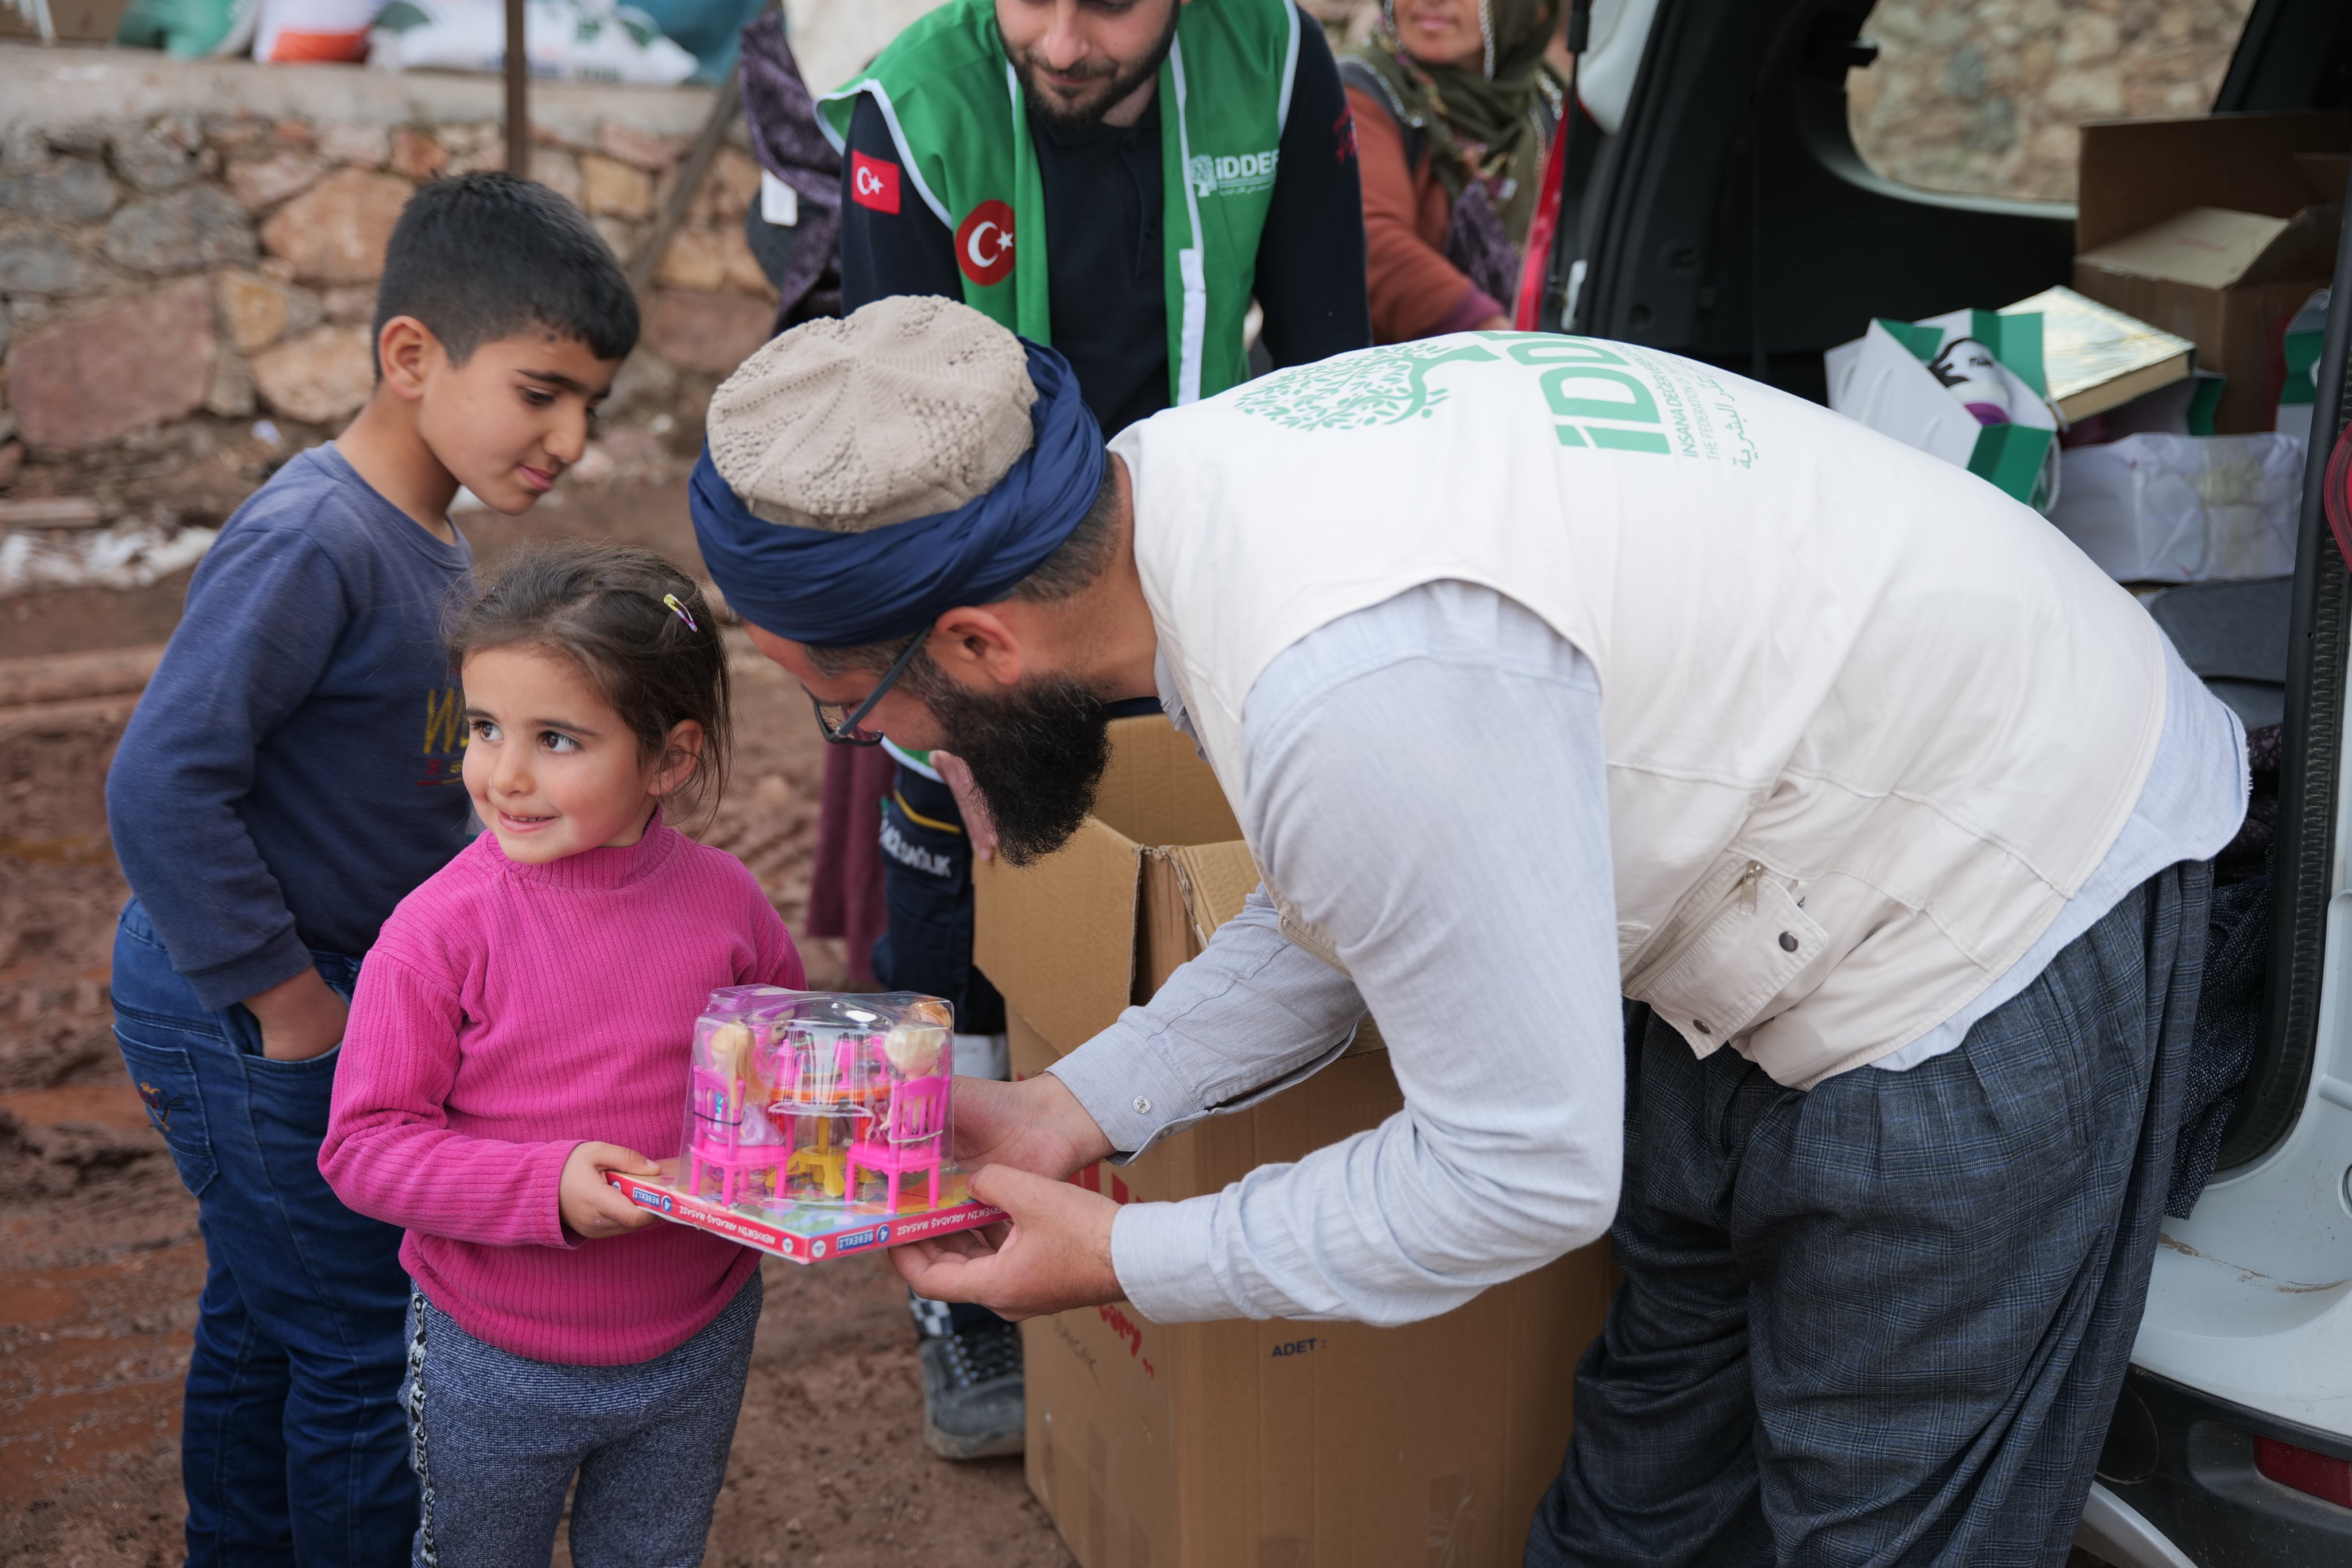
{"x": 1118, "y": 181}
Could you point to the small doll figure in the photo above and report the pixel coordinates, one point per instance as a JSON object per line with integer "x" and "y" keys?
{"x": 732, "y": 1054}
{"x": 914, "y": 1049}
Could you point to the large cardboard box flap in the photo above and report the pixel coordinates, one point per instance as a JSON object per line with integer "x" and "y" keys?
{"x": 1064, "y": 937}
{"x": 2215, "y": 247}
{"x": 2135, "y": 173}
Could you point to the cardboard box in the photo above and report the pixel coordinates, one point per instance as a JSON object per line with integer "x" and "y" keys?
{"x": 75, "y": 21}
{"x": 1286, "y": 1445}
{"x": 2215, "y": 228}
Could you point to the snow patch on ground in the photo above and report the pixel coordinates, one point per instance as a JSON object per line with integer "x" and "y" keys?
{"x": 131, "y": 554}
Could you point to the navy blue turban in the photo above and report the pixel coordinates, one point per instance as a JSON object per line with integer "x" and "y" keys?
{"x": 840, "y": 589}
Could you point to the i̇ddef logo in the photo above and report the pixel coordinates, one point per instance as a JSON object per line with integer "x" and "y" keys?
{"x": 984, "y": 243}
{"x": 873, "y": 183}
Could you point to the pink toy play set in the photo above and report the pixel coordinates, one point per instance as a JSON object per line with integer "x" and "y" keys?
{"x": 818, "y": 1122}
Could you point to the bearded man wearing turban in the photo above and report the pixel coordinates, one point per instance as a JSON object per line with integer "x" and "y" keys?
{"x": 1545, "y": 676}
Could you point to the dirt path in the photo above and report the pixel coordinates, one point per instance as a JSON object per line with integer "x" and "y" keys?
{"x": 103, "y": 1263}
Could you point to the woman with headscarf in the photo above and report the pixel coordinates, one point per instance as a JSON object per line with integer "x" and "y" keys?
{"x": 1456, "y": 107}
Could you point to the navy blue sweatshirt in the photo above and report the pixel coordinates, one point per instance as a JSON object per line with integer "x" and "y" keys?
{"x": 292, "y": 771}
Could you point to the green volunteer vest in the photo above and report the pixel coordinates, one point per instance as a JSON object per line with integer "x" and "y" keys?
{"x": 953, "y": 105}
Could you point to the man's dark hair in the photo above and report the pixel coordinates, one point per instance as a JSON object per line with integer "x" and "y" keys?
{"x": 481, "y": 256}
{"x": 1075, "y": 564}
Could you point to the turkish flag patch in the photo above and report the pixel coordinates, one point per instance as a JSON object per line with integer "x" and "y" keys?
{"x": 873, "y": 183}
{"x": 984, "y": 243}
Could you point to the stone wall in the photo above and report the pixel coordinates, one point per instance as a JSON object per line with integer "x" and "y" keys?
{"x": 1984, "y": 95}
{"x": 187, "y": 276}
{"x": 188, "y": 248}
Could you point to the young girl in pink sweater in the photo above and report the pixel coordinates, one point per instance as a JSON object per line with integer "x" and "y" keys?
{"x": 523, "y": 1026}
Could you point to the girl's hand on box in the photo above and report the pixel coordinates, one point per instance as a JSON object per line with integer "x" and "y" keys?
{"x": 592, "y": 1208}
{"x": 1036, "y": 1124}
{"x": 1053, "y": 1254}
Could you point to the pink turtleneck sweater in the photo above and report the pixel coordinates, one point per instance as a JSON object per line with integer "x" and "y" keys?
{"x": 509, "y": 1013}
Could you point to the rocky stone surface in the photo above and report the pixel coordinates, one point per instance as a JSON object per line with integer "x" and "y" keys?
{"x": 92, "y": 379}
{"x": 321, "y": 378}
{"x": 711, "y": 259}
{"x": 1986, "y": 97}
{"x": 415, "y": 155}
{"x": 162, "y": 156}
{"x": 32, "y": 261}
{"x": 336, "y": 231}
{"x": 611, "y": 188}
{"x": 229, "y": 394}
{"x": 365, "y": 146}
{"x": 70, "y": 191}
{"x": 243, "y": 239}
{"x": 694, "y": 261}
{"x": 200, "y": 226}
{"x": 263, "y": 182}
{"x": 619, "y": 138}
{"x": 712, "y": 333}
{"x": 558, "y": 171}
{"x": 355, "y": 304}
{"x": 733, "y": 187}
{"x": 256, "y": 311}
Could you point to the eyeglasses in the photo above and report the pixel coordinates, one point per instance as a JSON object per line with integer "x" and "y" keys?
{"x": 839, "y": 721}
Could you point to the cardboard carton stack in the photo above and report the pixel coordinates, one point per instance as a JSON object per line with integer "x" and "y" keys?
{"x": 1290, "y": 1444}
{"x": 2216, "y": 228}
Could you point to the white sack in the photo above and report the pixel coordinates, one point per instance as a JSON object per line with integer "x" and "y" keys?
{"x": 568, "y": 40}
{"x": 2184, "y": 508}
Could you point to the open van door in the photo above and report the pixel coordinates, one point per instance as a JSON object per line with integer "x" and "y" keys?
{"x": 1715, "y": 205}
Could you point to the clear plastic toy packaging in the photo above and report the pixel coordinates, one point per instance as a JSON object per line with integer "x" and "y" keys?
{"x": 818, "y": 1122}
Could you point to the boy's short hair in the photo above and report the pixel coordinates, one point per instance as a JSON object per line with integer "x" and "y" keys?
{"x": 481, "y": 256}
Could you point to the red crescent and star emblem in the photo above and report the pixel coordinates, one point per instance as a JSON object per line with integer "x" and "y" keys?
{"x": 984, "y": 243}
{"x": 873, "y": 183}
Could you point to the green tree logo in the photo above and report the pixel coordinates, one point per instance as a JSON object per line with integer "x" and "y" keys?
{"x": 1379, "y": 386}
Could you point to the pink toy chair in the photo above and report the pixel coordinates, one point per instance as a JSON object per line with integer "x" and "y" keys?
{"x": 717, "y": 1140}
{"x": 908, "y": 1138}
{"x": 784, "y": 1089}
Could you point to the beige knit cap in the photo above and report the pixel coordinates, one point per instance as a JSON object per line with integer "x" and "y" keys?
{"x": 913, "y": 405}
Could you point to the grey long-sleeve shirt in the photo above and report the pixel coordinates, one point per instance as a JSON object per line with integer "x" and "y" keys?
{"x": 1480, "y": 931}
{"x": 1428, "y": 781}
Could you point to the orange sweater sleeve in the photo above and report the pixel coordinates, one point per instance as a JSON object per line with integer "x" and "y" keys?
{"x": 1416, "y": 291}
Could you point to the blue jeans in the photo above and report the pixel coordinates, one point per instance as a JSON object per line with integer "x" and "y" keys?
{"x": 293, "y": 1449}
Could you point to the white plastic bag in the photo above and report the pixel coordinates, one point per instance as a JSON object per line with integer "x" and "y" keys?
{"x": 2184, "y": 508}
{"x": 568, "y": 40}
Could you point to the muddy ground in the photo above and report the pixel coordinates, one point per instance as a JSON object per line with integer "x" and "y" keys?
{"x": 100, "y": 1262}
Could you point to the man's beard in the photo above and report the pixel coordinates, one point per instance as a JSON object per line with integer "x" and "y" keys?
{"x": 1037, "y": 755}
{"x": 1048, "y": 107}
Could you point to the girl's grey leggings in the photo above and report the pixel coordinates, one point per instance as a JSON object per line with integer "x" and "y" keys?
{"x": 496, "y": 1439}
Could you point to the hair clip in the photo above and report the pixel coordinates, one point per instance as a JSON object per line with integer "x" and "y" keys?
{"x": 680, "y": 611}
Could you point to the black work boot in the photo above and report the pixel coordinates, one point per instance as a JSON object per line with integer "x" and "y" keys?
{"x": 972, "y": 1404}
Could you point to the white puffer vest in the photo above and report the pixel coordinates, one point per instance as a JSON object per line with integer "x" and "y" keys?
{"x": 1869, "y": 722}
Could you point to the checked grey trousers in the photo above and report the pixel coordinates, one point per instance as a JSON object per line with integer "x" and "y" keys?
{"x": 1883, "y": 1321}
